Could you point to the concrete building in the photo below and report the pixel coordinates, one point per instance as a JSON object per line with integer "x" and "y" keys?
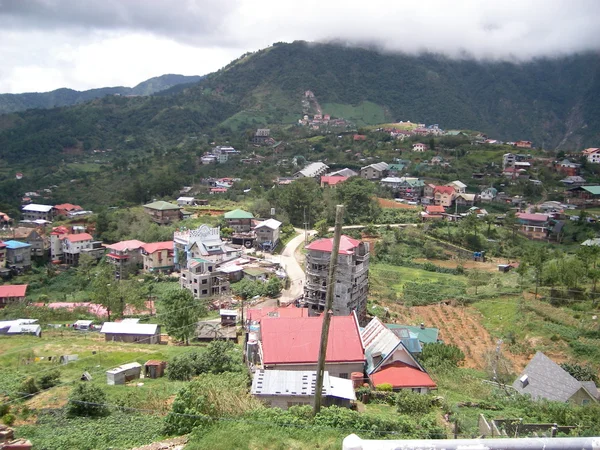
{"x": 12, "y": 293}
{"x": 239, "y": 220}
{"x": 202, "y": 278}
{"x": 286, "y": 388}
{"x": 375, "y": 171}
{"x": 352, "y": 276}
{"x": 313, "y": 170}
{"x": 31, "y": 237}
{"x": 71, "y": 245}
{"x": 37, "y": 212}
{"x": 123, "y": 374}
{"x": 204, "y": 242}
{"x": 126, "y": 256}
{"x": 267, "y": 234}
{"x": 158, "y": 256}
{"x": 163, "y": 213}
{"x": 18, "y": 255}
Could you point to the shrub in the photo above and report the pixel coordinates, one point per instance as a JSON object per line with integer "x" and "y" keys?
{"x": 8, "y": 419}
{"x": 385, "y": 387}
{"x": 441, "y": 356}
{"x": 87, "y": 400}
{"x": 412, "y": 403}
{"x": 29, "y": 386}
{"x": 183, "y": 367}
{"x": 49, "y": 379}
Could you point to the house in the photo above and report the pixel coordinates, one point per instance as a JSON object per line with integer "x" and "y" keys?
{"x": 592, "y": 155}
{"x": 313, "y": 170}
{"x": 163, "y": 213}
{"x": 513, "y": 172}
{"x": 131, "y": 332}
{"x": 74, "y": 244}
{"x": 126, "y": 256}
{"x": 186, "y": 201}
{"x": 286, "y": 388}
{"x": 203, "y": 279}
{"x": 391, "y": 182}
{"x": 583, "y": 195}
{"x": 444, "y": 195}
{"x": 65, "y": 209}
{"x": 267, "y": 234}
{"x": 375, "y": 171}
{"x": 433, "y": 212}
{"x": 123, "y": 374}
{"x": 544, "y": 379}
{"x": 396, "y": 169}
{"x": 573, "y": 180}
{"x": 18, "y": 255}
{"x": 420, "y": 147}
{"x": 523, "y": 144}
{"x": 83, "y": 325}
{"x": 465, "y": 199}
{"x": 359, "y": 137}
{"x": 437, "y": 160}
{"x": 425, "y": 335}
{"x": 20, "y": 326}
{"x": 2, "y": 255}
{"x": 5, "y": 219}
{"x": 32, "y": 237}
{"x": 207, "y": 159}
{"x": 405, "y": 187}
{"x": 239, "y": 220}
{"x": 352, "y": 276}
{"x": 332, "y": 181}
{"x": 12, "y": 293}
{"x": 228, "y": 317}
{"x": 205, "y": 243}
{"x": 458, "y": 186}
{"x": 343, "y": 173}
{"x": 567, "y": 167}
{"x": 293, "y": 344}
{"x": 158, "y": 257}
{"x": 534, "y": 226}
{"x": 261, "y": 136}
{"x": 508, "y": 160}
{"x": 488, "y": 194}
{"x": 154, "y": 368}
{"x": 34, "y": 212}
{"x": 224, "y": 153}
{"x": 388, "y": 361}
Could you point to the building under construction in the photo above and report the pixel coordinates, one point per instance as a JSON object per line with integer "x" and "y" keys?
{"x": 351, "y": 276}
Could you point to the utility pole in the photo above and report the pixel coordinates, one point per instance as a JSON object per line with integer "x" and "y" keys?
{"x": 327, "y": 313}
{"x": 305, "y": 227}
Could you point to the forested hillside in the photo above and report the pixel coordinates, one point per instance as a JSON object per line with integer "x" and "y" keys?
{"x": 64, "y": 97}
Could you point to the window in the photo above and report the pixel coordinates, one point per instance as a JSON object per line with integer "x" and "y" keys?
{"x": 204, "y": 291}
{"x": 344, "y": 376}
{"x": 204, "y": 281}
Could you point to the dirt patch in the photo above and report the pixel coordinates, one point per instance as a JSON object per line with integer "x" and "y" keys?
{"x": 54, "y": 398}
{"x": 169, "y": 444}
{"x": 487, "y": 266}
{"x": 392, "y": 204}
{"x": 460, "y": 326}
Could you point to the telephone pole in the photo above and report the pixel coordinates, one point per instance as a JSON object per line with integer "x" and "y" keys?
{"x": 327, "y": 312}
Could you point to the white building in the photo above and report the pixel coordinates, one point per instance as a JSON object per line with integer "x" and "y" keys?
{"x": 37, "y": 212}
{"x": 313, "y": 170}
{"x": 420, "y": 147}
{"x": 186, "y": 201}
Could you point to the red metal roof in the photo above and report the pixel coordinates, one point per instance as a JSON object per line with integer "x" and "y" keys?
{"x": 401, "y": 375}
{"x": 13, "y": 290}
{"x": 133, "y": 244}
{"x": 444, "y": 189}
{"x": 77, "y": 237}
{"x": 68, "y": 207}
{"x": 347, "y": 245}
{"x": 297, "y": 340}
{"x": 257, "y": 314}
{"x": 333, "y": 180}
{"x": 435, "y": 209}
{"x": 532, "y": 217}
{"x": 156, "y": 246}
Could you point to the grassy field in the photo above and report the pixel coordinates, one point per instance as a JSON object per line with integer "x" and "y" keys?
{"x": 396, "y": 276}
{"x": 365, "y": 113}
{"x": 85, "y": 167}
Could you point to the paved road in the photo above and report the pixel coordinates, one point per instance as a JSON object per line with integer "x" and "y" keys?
{"x": 295, "y": 273}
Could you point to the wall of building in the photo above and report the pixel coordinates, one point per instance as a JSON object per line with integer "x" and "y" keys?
{"x": 132, "y": 338}
{"x": 339, "y": 369}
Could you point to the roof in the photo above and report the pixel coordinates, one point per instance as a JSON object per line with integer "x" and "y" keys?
{"x": 257, "y": 314}
{"x": 269, "y": 223}
{"x": 185, "y": 199}
{"x": 228, "y": 312}
{"x": 378, "y": 339}
{"x": 156, "y": 246}
{"x": 313, "y": 169}
{"x": 491, "y": 190}
{"x": 401, "y": 375}
{"x": 154, "y": 362}
{"x": 346, "y": 172}
{"x": 380, "y": 166}
{"x": 124, "y": 368}
{"x": 347, "y": 245}
{"x": 546, "y": 379}
{"x": 594, "y": 190}
{"x": 85, "y": 323}
{"x": 297, "y": 340}
{"x": 239, "y": 214}
{"x": 161, "y": 206}
{"x": 467, "y": 197}
{"x": 444, "y": 190}
{"x": 255, "y": 271}
{"x": 332, "y": 180}
{"x": 532, "y": 217}
{"x": 13, "y": 290}
{"x": 425, "y": 335}
{"x": 12, "y": 245}
{"x": 123, "y": 246}
{"x": 592, "y": 242}
{"x": 589, "y": 151}
{"x": 458, "y": 183}
{"x": 79, "y": 237}
{"x": 129, "y": 328}
{"x": 435, "y": 209}
{"x": 38, "y": 208}
{"x": 300, "y": 383}
{"x": 68, "y": 207}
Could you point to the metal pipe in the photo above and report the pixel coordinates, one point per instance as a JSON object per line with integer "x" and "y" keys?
{"x": 353, "y": 442}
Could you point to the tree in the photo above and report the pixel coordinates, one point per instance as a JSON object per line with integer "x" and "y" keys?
{"x": 536, "y": 257}
{"x": 581, "y": 373}
{"x": 510, "y": 222}
{"x": 322, "y": 228}
{"x": 87, "y": 400}
{"x": 246, "y": 288}
{"x": 274, "y": 287}
{"x": 182, "y": 312}
{"x": 357, "y": 194}
{"x": 477, "y": 278}
{"x": 300, "y": 199}
{"x": 219, "y": 357}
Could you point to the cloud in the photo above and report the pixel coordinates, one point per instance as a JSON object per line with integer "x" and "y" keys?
{"x": 88, "y": 44}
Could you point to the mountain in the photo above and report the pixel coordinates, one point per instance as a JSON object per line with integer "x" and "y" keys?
{"x": 65, "y": 97}
{"x": 551, "y": 101}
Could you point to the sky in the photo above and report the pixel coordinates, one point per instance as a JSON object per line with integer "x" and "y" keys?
{"x": 84, "y": 44}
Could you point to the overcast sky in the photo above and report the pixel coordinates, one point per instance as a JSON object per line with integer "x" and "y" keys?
{"x": 82, "y": 44}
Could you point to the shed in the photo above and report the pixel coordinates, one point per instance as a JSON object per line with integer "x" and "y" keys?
{"x": 228, "y": 317}
{"x": 83, "y": 325}
{"x": 154, "y": 368}
{"x": 124, "y": 373}
{"x": 140, "y": 333}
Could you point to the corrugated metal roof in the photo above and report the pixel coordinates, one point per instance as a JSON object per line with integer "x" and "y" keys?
{"x": 299, "y": 383}
{"x": 161, "y": 206}
{"x": 124, "y": 368}
{"x": 239, "y": 214}
{"x": 129, "y": 328}
{"x": 378, "y": 339}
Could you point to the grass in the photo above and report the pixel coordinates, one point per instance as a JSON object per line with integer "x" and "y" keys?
{"x": 85, "y": 167}
{"x": 396, "y": 276}
{"x": 365, "y": 113}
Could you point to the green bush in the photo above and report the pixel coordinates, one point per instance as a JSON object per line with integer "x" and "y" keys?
{"x": 29, "y": 386}
{"x": 408, "y": 402}
{"x": 385, "y": 387}
{"x": 8, "y": 419}
{"x": 49, "y": 379}
{"x": 87, "y": 400}
{"x": 218, "y": 357}
{"x": 440, "y": 356}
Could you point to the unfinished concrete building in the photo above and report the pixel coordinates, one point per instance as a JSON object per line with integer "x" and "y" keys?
{"x": 351, "y": 278}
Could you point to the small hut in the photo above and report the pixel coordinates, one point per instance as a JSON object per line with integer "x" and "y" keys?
{"x": 228, "y": 317}
{"x": 124, "y": 373}
{"x": 154, "y": 368}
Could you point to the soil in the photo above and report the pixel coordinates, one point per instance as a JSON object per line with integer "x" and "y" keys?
{"x": 488, "y": 266}
{"x": 392, "y": 204}
{"x": 169, "y": 444}
{"x": 462, "y": 327}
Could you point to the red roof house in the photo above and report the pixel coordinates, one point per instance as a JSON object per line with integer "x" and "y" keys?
{"x": 257, "y": 314}
{"x": 444, "y": 190}
{"x": 332, "y": 181}
{"x": 402, "y": 376}
{"x": 156, "y": 246}
{"x": 78, "y": 237}
{"x": 65, "y": 208}
{"x": 347, "y": 245}
{"x": 435, "y": 209}
{"x": 12, "y": 293}
{"x": 360, "y": 137}
{"x": 293, "y": 344}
